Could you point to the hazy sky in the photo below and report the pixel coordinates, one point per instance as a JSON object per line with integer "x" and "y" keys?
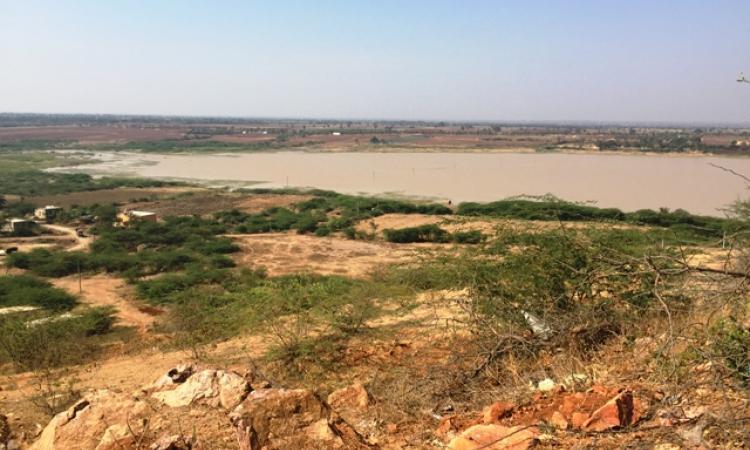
{"x": 603, "y": 60}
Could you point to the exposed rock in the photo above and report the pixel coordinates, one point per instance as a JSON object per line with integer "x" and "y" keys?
{"x": 116, "y": 437}
{"x": 496, "y": 411}
{"x": 354, "y": 397}
{"x": 449, "y": 426}
{"x": 174, "y": 442}
{"x": 212, "y": 387}
{"x": 617, "y": 412}
{"x": 577, "y": 419}
{"x": 290, "y": 418}
{"x": 175, "y": 375}
{"x": 495, "y": 437}
{"x": 92, "y": 423}
{"x": 558, "y": 421}
{"x": 546, "y": 385}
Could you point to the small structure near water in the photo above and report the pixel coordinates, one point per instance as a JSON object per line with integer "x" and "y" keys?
{"x": 127, "y": 217}
{"x": 21, "y": 227}
{"x": 47, "y": 213}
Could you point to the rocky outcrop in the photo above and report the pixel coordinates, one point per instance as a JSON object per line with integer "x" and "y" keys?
{"x": 290, "y": 418}
{"x": 354, "y": 397}
{"x": 155, "y": 417}
{"x": 98, "y": 422}
{"x": 495, "y": 437}
{"x": 174, "y": 376}
{"x": 595, "y": 410}
{"x": 210, "y": 387}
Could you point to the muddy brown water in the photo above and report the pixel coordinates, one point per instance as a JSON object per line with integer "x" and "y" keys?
{"x": 628, "y": 182}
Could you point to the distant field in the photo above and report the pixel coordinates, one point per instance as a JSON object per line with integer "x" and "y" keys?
{"x": 104, "y": 196}
{"x": 90, "y": 133}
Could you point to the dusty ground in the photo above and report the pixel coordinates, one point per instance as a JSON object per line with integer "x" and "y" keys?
{"x": 489, "y": 227}
{"x": 104, "y": 290}
{"x": 285, "y": 253}
{"x": 258, "y": 203}
{"x": 206, "y": 203}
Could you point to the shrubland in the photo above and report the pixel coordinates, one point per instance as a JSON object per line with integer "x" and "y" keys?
{"x": 680, "y": 221}
{"x": 37, "y": 182}
{"x": 146, "y": 248}
{"x": 323, "y": 214}
{"x": 24, "y": 290}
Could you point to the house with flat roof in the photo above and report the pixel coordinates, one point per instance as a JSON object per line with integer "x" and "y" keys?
{"x": 21, "y": 226}
{"x": 127, "y": 217}
{"x": 47, "y": 213}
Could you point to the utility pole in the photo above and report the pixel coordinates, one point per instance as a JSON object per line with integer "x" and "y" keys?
{"x": 80, "y": 281}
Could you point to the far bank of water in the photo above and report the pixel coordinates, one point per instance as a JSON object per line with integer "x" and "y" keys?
{"x": 628, "y": 182}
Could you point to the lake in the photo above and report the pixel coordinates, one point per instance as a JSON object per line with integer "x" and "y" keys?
{"x": 628, "y": 182}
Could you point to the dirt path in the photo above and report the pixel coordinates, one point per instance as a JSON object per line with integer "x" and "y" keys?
{"x": 81, "y": 243}
{"x": 102, "y": 290}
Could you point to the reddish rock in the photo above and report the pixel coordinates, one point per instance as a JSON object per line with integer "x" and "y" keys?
{"x": 497, "y": 411}
{"x": 451, "y": 424}
{"x": 444, "y": 427}
{"x": 577, "y": 419}
{"x": 621, "y": 411}
{"x": 174, "y": 442}
{"x": 558, "y": 421}
{"x": 495, "y": 437}
{"x": 352, "y": 397}
{"x": 599, "y": 389}
{"x": 290, "y": 418}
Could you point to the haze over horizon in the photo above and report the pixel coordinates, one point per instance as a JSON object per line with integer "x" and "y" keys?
{"x": 437, "y": 60}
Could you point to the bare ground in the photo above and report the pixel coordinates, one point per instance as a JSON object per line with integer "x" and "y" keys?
{"x": 285, "y": 253}
{"x": 104, "y": 290}
{"x": 206, "y": 203}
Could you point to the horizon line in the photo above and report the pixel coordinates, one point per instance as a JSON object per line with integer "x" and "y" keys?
{"x": 511, "y": 122}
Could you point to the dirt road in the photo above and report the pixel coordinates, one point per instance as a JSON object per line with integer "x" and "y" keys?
{"x": 103, "y": 290}
{"x": 81, "y": 243}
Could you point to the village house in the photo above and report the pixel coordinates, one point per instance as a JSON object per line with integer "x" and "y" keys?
{"x": 127, "y": 217}
{"x": 21, "y": 226}
{"x": 47, "y": 213}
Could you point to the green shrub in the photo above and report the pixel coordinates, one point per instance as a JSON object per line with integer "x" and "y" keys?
{"x": 468, "y": 237}
{"x": 143, "y": 249}
{"x": 55, "y": 343}
{"x": 24, "y": 290}
{"x": 310, "y": 215}
{"x": 423, "y": 233}
{"x": 731, "y": 344}
{"x": 680, "y": 221}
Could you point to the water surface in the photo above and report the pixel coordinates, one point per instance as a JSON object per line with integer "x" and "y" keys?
{"x": 628, "y": 182}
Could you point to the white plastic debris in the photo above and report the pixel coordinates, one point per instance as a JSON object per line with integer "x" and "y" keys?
{"x": 537, "y": 326}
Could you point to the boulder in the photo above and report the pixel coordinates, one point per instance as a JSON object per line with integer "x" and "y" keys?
{"x": 173, "y": 442}
{"x": 495, "y": 437}
{"x": 621, "y": 411}
{"x": 497, "y": 411}
{"x": 96, "y": 422}
{"x": 290, "y": 418}
{"x": 176, "y": 375}
{"x": 354, "y": 397}
{"x": 211, "y": 387}
{"x": 558, "y": 421}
